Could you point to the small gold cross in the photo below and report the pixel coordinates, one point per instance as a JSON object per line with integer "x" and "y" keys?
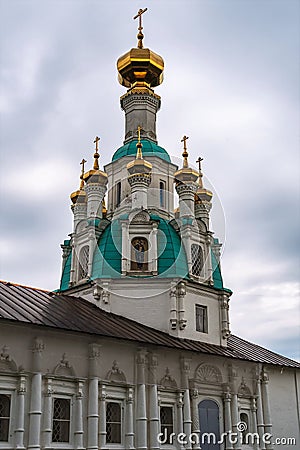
{"x": 139, "y": 134}
{"x": 184, "y": 139}
{"x": 139, "y": 15}
{"x": 199, "y": 163}
{"x": 97, "y": 139}
{"x": 82, "y": 173}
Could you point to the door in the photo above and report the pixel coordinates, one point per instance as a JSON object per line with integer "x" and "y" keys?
{"x": 209, "y": 423}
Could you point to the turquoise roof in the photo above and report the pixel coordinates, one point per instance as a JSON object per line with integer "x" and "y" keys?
{"x": 149, "y": 149}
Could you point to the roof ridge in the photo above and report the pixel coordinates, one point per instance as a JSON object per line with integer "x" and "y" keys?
{"x": 10, "y": 283}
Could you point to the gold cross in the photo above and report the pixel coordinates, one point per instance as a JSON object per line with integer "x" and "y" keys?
{"x": 97, "y": 139}
{"x": 82, "y": 173}
{"x": 139, "y": 15}
{"x": 199, "y": 163}
{"x": 140, "y": 35}
{"x": 185, "y": 152}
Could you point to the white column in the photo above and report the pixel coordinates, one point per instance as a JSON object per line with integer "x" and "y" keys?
{"x": 102, "y": 418}
{"x": 93, "y": 417}
{"x": 227, "y": 416}
{"x": 180, "y": 417}
{"x": 47, "y": 428}
{"x": 19, "y": 431}
{"x": 153, "y": 403}
{"x": 78, "y": 433}
{"x": 235, "y": 420}
{"x": 181, "y": 292}
{"x": 187, "y": 420}
{"x": 195, "y": 420}
{"x": 254, "y": 421}
{"x": 260, "y": 419}
{"x": 35, "y": 411}
{"x": 129, "y": 433}
{"x": 266, "y": 405}
{"x": 141, "y": 418}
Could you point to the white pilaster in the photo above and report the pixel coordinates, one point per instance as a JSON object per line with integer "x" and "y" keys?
{"x": 266, "y": 405}
{"x": 129, "y": 433}
{"x": 47, "y": 428}
{"x": 141, "y": 415}
{"x": 102, "y": 420}
{"x": 227, "y": 417}
{"x": 180, "y": 417}
{"x": 153, "y": 403}
{"x": 195, "y": 420}
{"x": 19, "y": 431}
{"x": 35, "y": 411}
{"x": 187, "y": 420}
{"x": 93, "y": 416}
{"x": 78, "y": 433}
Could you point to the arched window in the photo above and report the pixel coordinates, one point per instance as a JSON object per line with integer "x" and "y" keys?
{"x": 197, "y": 260}
{"x": 244, "y": 418}
{"x": 139, "y": 249}
{"x": 4, "y": 417}
{"x": 83, "y": 262}
{"x": 118, "y": 193}
{"x": 113, "y": 423}
{"x": 162, "y": 194}
{"x": 209, "y": 425}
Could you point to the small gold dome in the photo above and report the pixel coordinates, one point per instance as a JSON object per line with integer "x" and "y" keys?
{"x": 140, "y": 67}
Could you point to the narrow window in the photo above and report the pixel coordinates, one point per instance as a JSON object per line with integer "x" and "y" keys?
{"x": 245, "y": 428}
{"x": 201, "y": 319}
{"x": 4, "y": 417}
{"x": 166, "y": 421}
{"x": 118, "y": 193}
{"x": 197, "y": 260}
{"x": 83, "y": 262}
{"x": 61, "y": 420}
{"x": 162, "y": 194}
{"x": 113, "y": 423}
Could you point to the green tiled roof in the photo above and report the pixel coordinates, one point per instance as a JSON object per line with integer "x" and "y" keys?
{"x": 149, "y": 149}
{"x": 65, "y": 279}
{"x": 217, "y": 277}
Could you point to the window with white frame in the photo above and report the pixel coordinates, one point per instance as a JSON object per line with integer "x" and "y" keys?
{"x": 245, "y": 420}
{"x": 61, "y": 420}
{"x": 201, "y": 319}
{"x": 166, "y": 421}
{"x": 197, "y": 260}
{"x": 5, "y": 405}
{"x": 113, "y": 423}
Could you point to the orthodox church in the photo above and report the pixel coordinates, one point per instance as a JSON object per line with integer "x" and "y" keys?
{"x": 134, "y": 350}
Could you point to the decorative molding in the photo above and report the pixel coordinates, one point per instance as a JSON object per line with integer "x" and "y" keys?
{"x": 64, "y": 368}
{"x": 6, "y": 363}
{"x": 115, "y": 374}
{"x": 38, "y": 345}
{"x": 94, "y": 351}
{"x": 208, "y": 374}
{"x": 168, "y": 382}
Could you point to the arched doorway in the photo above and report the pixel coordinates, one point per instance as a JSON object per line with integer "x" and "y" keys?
{"x": 209, "y": 425}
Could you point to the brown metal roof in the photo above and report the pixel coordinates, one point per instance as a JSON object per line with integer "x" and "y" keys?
{"x": 37, "y": 307}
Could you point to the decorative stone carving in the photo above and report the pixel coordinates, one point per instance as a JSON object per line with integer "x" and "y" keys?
{"x": 64, "y": 368}
{"x": 38, "y": 346}
{"x": 115, "y": 374}
{"x": 244, "y": 390}
{"x": 94, "y": 351}
{"x": 208, "y": 374}
{"x": 168, "y": 382}
{"x": 141, "y": 217}
{"x": 6, "y": 363}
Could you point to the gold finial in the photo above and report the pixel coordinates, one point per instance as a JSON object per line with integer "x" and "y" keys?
{"x": 199, "y": 164}
{"x": 185, "y": 152}
{"x": 139, "y": 145}
{"x": 140, "y": 35}
{"x": 82, "y": 173}
{"x": 96, "y": 154}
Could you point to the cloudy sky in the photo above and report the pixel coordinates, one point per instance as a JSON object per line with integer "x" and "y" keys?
{"x": 231, "y": 84}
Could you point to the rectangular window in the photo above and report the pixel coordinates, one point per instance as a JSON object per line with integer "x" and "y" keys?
{"x": 4, "y": 417}
{"x": 166, "y": 421}
{"x": 162, "y": 194}
{"x": 61, "y": 420}
{"x": 113, "y": 423}
{"x": 118, "y": 193}
{"x": 201, "y": 319}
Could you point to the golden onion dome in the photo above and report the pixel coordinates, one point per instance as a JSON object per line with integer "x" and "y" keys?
{"x": 79, "y": 196}
{"x": 140, "y": 66}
